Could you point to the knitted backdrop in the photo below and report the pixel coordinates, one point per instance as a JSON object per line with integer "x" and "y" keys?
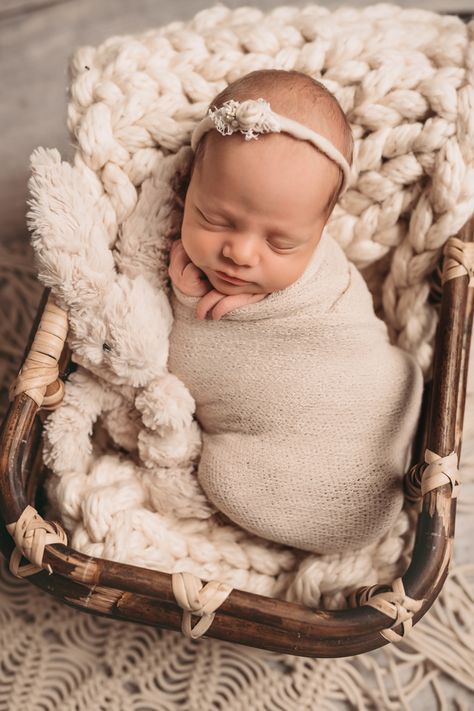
{"x": 405, "y": 79}
{"x": 53, "y": 657}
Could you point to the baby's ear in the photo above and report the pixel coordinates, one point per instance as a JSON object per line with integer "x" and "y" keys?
{"x": 179, "y": 173}
{"x": 143, "y": 242}
{"x": 182, "y": 187}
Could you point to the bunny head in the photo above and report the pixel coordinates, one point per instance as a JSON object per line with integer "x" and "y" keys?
{"x": 118, "y": 325}
{"x": 123, "y": 337}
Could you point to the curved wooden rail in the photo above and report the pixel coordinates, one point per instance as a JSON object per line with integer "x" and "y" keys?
{"x": 146, "y": 596}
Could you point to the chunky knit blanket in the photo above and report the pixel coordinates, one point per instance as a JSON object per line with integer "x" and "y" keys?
{"x": 405, "y": 80}
{"x": 307, "y": 411}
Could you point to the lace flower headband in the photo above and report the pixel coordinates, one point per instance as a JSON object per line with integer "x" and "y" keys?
{"x": 255, "y": 116}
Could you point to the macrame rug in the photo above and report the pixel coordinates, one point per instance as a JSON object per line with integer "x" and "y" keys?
{"x": 53, "y": 657}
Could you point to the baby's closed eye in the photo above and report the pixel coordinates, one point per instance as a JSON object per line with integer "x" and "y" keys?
{"x": 280, "y": 242}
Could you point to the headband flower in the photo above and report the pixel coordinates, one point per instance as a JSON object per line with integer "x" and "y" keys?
{"x": 249, "y": 117}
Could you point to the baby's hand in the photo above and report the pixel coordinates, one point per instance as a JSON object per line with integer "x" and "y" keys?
{"x": 225, "y": 303}
{"x": 184, "y": 274}
{"x": 193, "y": 282}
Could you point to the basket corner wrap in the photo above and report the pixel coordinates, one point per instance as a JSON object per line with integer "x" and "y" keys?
{"x": 39, "y": 374}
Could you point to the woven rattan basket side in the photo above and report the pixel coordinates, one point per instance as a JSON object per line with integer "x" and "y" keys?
{"x": 379, "y": 615}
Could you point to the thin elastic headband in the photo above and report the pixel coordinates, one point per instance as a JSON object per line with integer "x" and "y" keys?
{"x": 255, "y": 116}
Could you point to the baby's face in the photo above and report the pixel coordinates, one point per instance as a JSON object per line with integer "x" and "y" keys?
{"x": 254, "y": 210}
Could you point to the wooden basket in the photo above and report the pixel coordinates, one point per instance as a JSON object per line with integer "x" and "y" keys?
{"x": 378, "y": 614}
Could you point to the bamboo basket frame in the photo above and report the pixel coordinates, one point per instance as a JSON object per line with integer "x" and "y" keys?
{"x": 140, "y": 595}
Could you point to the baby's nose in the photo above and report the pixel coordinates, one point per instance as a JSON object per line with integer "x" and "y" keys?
{"x": 243, "y": 251}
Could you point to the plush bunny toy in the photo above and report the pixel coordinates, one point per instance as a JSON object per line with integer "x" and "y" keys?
{"x": 119, "y": 323}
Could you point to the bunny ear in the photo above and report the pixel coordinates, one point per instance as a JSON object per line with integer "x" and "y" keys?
{"x": 68, "y": 236}
{"x": 145, "y": 236}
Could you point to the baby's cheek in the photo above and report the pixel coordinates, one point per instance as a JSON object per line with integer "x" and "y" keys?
{"x": 196, "y": 246}
{"x": 292, "y": 270}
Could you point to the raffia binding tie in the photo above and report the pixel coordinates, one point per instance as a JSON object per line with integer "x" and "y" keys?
{"x": 435, "y": 471}
{"x": 394, "y": 603}
{"x": 198, "y": 600}
{"x": 458, "y": 260}
{"x": 440, "y": 471}
{"x": 31, "y": 534}
{"x": 40, "y": 368}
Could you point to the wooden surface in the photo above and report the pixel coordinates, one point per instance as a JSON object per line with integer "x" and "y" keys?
{"x": 36, "y": 39}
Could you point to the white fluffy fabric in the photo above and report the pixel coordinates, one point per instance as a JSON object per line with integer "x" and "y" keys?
{"x": 307, "y": 411}
{"x": 124, "y": 444}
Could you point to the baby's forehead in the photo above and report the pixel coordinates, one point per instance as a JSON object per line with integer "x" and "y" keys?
{"x": 264, "y": 183}
{"x": 276, "y": 164}
{"x": 278, "y": 149}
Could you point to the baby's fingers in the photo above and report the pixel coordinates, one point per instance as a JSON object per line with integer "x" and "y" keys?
{"x": 195, "y": 281}
{"x": 184, "y": 274}
{"x": 207, "y": 302}
{"x": 234, "y": 302}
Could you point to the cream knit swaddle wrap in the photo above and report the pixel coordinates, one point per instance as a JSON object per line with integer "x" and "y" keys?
{"x": 307, "y": 411}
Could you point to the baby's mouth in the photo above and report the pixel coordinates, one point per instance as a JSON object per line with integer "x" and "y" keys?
{"x": 231, "y": 280}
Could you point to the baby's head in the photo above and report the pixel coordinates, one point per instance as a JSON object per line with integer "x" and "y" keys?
{"x": 255, "y": 209}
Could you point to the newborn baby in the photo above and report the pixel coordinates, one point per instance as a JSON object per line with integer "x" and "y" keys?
{"x": 307, "y": 411}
